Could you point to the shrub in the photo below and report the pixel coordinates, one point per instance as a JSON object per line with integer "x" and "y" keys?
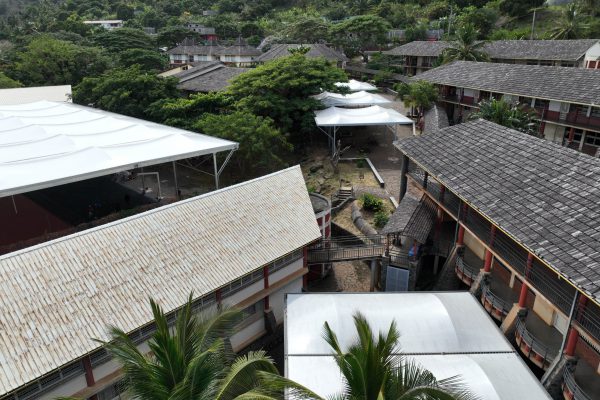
{"x": 372, "y": 203}
{"x": 381, "y": 218}
{"x": 360, "y": 163}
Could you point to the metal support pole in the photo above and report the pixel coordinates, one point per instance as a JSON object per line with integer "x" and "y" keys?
{"x": 216, "y": 171}
{"x": 414, "y": 129}
{"x": 373, "y": 274}
{"x": 175, "y": 178}
{"x": 403, "y": 179}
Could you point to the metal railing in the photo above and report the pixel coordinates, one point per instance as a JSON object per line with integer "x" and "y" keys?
{"x": 496, "y": 302}
{"x": 589, "y": 319}
{"x": 347, "y": 248}
{"x": 465, "y": 269}
{"x": 400, "y": 258}
{"x": 573, "y": 387}
{"x": 535, "y": 345}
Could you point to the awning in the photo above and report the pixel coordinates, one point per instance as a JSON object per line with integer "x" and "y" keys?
{"x": 333, "y": 118}
{"x": 45, "y": 144}
{"x": 361, "y": 98}
{"x": 356, "y": 86}
{"x": 413, "y": 218}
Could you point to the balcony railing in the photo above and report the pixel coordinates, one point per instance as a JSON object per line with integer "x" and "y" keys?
{"x": 589, "y": 319}
{"x": 533, "y": 348}
{"x": 494, "y": 304}
{"x": 571, "y": 390}
{"x": 464, "y": 271}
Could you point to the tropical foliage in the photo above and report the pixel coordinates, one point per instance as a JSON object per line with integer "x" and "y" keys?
{"x": 571, "y": 24}
{"x": 512, "y": 116}
{"x": 466, "y": 46}
{"x": 419, "y": 95}
{"x": 373, "y": 368}
{"x": 190, "y": 361}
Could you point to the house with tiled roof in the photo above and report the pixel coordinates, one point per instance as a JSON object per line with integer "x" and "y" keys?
{"x": 565, "y": 100}
{"x": 189, "y": 51}
{"x": 58, "y": 296}
{"x": 240, "y": 54}
{"x": 526, "y": 239}
{"x": 205, "y": 77}
{"x": 420, "y": 56}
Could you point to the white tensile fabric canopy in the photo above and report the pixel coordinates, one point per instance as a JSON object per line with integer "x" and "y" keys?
{"x": 334, "y": 117}
{"x": 361, "y": 98}
{"x": 447, "y": 333}
{"x": 356, "y": 86}
{"x": 45, "y": 144}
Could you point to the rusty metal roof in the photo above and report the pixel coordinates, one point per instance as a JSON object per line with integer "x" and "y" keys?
{"x": 57, "y": 296}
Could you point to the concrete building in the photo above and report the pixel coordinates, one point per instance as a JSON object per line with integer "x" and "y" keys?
{"x": 59, "y": 295}
{"x": 205, "y": 32}
{"x": 526, "y": 242}
{"x": 109, "y": 24}
{"x": 189, "y": 52}
{"x": 240, "y": 54}
{"x": 420, "y": 56}
{"x": 566, "y": 100}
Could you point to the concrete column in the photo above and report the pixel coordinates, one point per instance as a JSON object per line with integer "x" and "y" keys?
{"x": 373, "y": 274}
{"x": 460, "y": 240}
{"x": 487, "y": 264}
{"x": 442, "y": 193}
{"x": 218, "y": 297}
{"x": 523, "y": 294}
{"x": 305, "y": 265}
{"x": 425, "y": 179}
{"x": 571, "y": 342}
{"x": 266, "y": 285}
{"x": 89, "y": 374}
{"x": 403, "y": 179}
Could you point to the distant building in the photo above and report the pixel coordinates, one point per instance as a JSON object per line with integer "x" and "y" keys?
{"x": 566, "y": 100}
{"x": 240, "y": 54}
{"x": 211, "y": 76}
{"x": 188, "y": 52}
{"x": 205, "y": 32}
{"x": 226, "y": 249}
{"x": 420, "y": 56}
{"x": 400, "y": 34}
{"x": 316, "y": 50}
{"x": 109, "y": 24}
{"x": 209, "y": 13}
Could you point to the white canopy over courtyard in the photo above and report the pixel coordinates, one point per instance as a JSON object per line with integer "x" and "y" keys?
{"x": 334, "y": 117}
{"x": 356, "y": 86}
{"x": 45, "y": 144}
{"x": 356, "y": 99}
{"x": 448, "y": 333}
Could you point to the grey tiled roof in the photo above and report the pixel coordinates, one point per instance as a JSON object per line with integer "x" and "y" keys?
{"x": 420, "y": 48}
{"x": 575, "y": 85}
{"x": 194, "y": 49}
{"x": 316, "y": 50}
{"x": 413, "y": 217}
{"x": 545, "y": 196}
{"x": 568, "y": 50}
{"x": 240, "y": 48}
{"x": 435, "y": 119}
{"x": 208, "y": 79}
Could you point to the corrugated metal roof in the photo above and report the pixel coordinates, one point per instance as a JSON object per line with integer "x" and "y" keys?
{"x": 58, "y": 295}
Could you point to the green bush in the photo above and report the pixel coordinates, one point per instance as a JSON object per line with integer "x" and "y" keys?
{"x": 381, "y": 218}
{"x": 360, "y": 163}
{"x": 372, "y": 203}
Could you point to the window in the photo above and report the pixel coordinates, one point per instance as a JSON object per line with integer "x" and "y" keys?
{"x": 592, "y": 138}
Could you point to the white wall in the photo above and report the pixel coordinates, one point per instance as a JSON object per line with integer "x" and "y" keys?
{"x": 592, "y": 54}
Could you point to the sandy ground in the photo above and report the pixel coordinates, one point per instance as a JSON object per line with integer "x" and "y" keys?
{"x": 351, "y": 276}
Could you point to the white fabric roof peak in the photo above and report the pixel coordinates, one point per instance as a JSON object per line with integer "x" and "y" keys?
{"x": 45, "y": 144}
{"x": 361, "y": 98}
{"x": 356, "y": 86}
{"x": 373, "y": 115}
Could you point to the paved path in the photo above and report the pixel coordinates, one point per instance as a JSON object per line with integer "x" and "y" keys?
{"x": 376, "y": 143}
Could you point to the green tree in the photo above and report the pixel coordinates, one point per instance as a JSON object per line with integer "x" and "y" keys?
{"x": 307, "y": 29}
{"x": 419, "y": 95}
{"x": 121, "y": 39}
{"x": 189, "y": 361}
{"x": 571, "y": 24}
{"x": 359, "y": 34}
{"x": 184, "y": 113}
{"x": 8, "y": 83}
{"x": 519, "y": 8}
{"x": 263, "y": 148}
{"x": 281, "y": 90}
{"x": 374, "y": 369}
{"x": 466, "y": 46}
{"x": 127, "y": 91}
{"x": 483, "y": 19}
{"x": 47, "y": 61}
{"x": 172, "y": 35}
{"x": 147, "y": 59}
{"x": 509, "y": 115}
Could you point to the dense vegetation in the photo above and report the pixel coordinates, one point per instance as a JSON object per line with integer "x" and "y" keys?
{"x": 46, "y": 42}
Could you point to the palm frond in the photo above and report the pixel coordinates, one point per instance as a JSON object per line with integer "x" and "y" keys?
{"x": 243, "y": 375}
{"x": 276, "y": 385}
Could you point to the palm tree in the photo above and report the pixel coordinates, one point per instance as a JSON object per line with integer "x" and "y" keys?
{"x": 191, "y": 361}
{"x": 373, "y": 369}
{"x": 514, "y": 116}
{"x": 466, "y": 46}
{"x": 571, "y": 24}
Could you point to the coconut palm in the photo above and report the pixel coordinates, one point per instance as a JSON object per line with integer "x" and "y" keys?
{"x": 191, "y": 361}
{"x": 512, "y": 116}
{"x": 374, "y": 369}
{"x": 571, "y": 24}
{"x": 466, "y": 46}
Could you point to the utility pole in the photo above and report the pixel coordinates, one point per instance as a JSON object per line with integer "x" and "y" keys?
{"x": 533, "y": 24}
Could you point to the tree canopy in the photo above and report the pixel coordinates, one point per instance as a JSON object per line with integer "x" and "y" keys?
{"x": 359, "y": 34}
{"x": 512, "y": 116}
